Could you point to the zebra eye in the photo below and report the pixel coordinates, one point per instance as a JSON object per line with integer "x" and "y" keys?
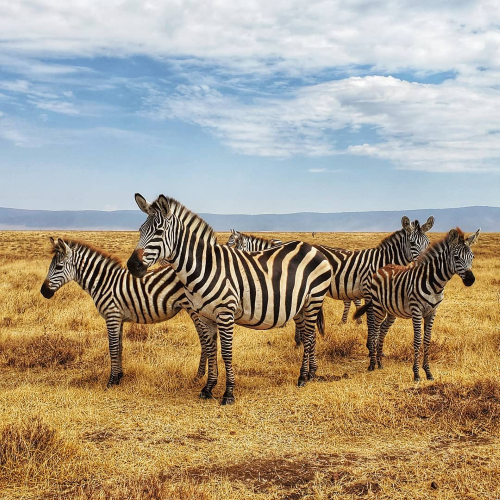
{"x": 59, "y": 267}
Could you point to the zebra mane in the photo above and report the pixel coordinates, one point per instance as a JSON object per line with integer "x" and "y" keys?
{"x": 392, "y": 238}
{"x": 167, "y": 204}
{"x": 258, "y": 238}
{"x": 435, "y": 248}
{"x": 75, "y": 244}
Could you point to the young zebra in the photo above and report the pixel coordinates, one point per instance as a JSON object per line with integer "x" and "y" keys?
{"x": 250, "y": 243}
{"x": 119, "y": 297}
{"x": 415, "y": 292}
{"x": 259, "y": 290}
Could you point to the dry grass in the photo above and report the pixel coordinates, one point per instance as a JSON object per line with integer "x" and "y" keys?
{"x": 350, "y": 434}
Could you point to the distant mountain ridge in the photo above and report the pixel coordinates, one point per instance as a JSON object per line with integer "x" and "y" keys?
{"x": 468, "y": 218}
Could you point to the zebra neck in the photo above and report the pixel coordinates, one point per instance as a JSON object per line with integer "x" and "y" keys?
{"x": 392, "y": 250}
{"x": 91, "y": 268}
{"x": 196, "y": 249}
{"x": 437, "y": 270}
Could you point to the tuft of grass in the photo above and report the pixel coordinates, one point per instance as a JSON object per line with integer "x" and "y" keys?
{"x": 138, "y": 333}
{"x": 41, "y": 351}
{"x": 345, "y": 345}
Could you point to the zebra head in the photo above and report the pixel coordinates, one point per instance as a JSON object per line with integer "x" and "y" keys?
{"x": 61, "y": 270}
{"x": 461, "y": 255}
{"x": 233, "y": 238}
{"x": 157, "y": 236}
{"x": 417, "y": 240}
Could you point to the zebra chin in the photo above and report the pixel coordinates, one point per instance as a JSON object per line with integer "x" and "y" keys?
{"x": 46, "y": 291}
{"x": 136, "y": 266}
{"x": 469, "y": 278}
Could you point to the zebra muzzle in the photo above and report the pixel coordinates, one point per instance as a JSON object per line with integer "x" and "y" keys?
{"x": 136, "y": 266}
{"x": 46, "y": 291}
{"x": 469, "y": 278}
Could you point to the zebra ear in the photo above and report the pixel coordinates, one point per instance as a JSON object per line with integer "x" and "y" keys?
{"x": 143, "y": 204}
{"x": 472, "y": 238}
{"x": 52, "y": 241}
{"x": 428, "y": 225}
{"x": 65, "y": 248}
{"x": 405, "y": 222}
{"x": 453, "y": 237}
{"x": 164, "y": 205}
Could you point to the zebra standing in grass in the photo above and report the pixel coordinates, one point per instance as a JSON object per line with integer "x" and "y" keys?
{"x": 415, "y": 292}
{"x": 250, "y": 243}
{"x": 119, "y": 297}
{"x": 353, "y": 269}
{"x": 226, "y": 286}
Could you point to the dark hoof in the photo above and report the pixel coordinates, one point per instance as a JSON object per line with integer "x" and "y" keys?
{"x": 114, "y": 380}
{"x": 204, "y": 394}
{"x": 380, "y": 366}
{"x": 371, "y": 367}
{"x": 302, "y": 382}
{"x": 227, "y": 400}
{"x": 430, "y": 377}
{"x": 416, "y": 378}
{"x": 297, "y": 345}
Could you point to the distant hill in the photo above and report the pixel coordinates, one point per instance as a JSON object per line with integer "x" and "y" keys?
{"x": 468, "y": 218}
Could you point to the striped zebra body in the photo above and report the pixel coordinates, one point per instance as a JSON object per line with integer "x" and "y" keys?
{"x": 259, "y": 290}
{"x": 415, "y": 292}
{"x": 250, "y": 243}
{"x": 118, "y": 296}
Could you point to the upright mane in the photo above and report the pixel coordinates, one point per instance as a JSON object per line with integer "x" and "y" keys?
{"x": 436, "y": 247}
{"x": 389, "y": 239}
{"x": 183, "y": 213}
{"x": 75, "y": 244}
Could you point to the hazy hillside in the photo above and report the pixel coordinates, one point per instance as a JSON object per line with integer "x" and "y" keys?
{"x": 468, "y": 218}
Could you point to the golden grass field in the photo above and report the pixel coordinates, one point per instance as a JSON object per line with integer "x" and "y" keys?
{"x": 353, "y": 435}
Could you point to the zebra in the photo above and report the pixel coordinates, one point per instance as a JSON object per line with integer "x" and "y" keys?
{"x": 251, "y": 243}
{"x": 415, "y": 292}
{"x": 259, "y": 290}
{"x": 119, "y": 297}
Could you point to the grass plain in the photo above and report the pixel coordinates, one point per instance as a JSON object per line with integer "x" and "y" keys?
{"x": 352, "y": 434}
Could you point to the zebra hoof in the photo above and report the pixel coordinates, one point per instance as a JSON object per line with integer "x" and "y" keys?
{"x": 416, "y": 378}
{"x": 301, "y": 382}
{"x": 371, "y": 367}
{"x": 227, "y": 400}
{"x": 430, "y": 377}
{"x": 114, "y": 380}
{"x": 206, "y": 394}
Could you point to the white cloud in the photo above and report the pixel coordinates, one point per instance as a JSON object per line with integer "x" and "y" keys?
{"x": 447, "y": 127}
{"x": 260, "y": 35}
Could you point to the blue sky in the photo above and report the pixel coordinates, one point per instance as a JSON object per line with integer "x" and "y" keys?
{"x": 250, "y": 107}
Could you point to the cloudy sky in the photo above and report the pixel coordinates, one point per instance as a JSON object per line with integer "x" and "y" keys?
{"x": 250, "y": 106}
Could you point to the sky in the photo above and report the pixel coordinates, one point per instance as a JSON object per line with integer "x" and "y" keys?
{"x": 250, "y": 106}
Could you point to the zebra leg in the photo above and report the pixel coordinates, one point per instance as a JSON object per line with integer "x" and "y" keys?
{"x": 225, "y": 324}
{"x": 357, "y": 303}
{"x": 299, "y": 326}
{"x": 345, "y": 314}
{"x": 200, "y": 330}
{"x": 114, "y": 326}
{"x": 298, "y": 336}
{"x": 428, "y": 322}
{"x": 417, "y": 342}
{"x": 209, "y": 332}
{"x": 384, "y": 328}
{"x": 377, "y": 316}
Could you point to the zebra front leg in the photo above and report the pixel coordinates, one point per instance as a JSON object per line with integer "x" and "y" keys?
{"x": 209, "y": 332}
{"x": 374, "y": 320}
{"x": 384, "y": 328}
{"x": 114, "y": 326}
{"x": 225, "y": 325}
{"x": 345, "y": 314}
{"x": 428, "y": 322}
{"x": 357, "y": 303}
{"x": 417, "y": 342}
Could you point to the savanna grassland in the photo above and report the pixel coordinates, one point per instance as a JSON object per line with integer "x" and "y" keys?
{"x": 351, "y": 434}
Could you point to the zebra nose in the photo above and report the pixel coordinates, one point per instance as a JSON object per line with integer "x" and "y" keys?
{"x": 46, "y": 291}
{"x": 469, "y": 278}
{"x": 135, "y": 266}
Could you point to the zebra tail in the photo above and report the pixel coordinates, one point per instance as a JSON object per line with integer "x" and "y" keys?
{"x": 320, "y": 322}
{"x": 362, "y": 310}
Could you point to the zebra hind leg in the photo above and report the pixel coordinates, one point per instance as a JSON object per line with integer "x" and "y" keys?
{"x": 209, "y": 334}
{"x": 428, "y": 322}
{"x": 417, "y": 342}
{"x": 114, "y": 326}
{"x": 345, "y": 314}
{"x": 384, "y": 328}
{"x": 225, "y": 324}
